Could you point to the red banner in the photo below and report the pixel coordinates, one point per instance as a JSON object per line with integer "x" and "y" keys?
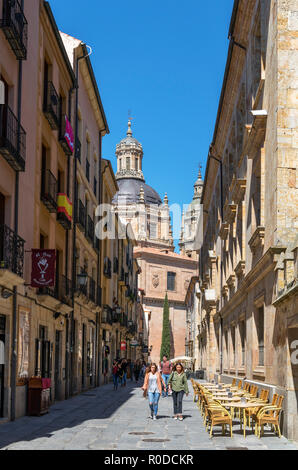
{"x": 43, "y": 268}
{"x": 123, "y": 346}
{"x": 69, "y": 134}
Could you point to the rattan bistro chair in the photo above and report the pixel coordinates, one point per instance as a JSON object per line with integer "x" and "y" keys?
{"x": 269, "y": 414}
{"x": 219, "y": 416}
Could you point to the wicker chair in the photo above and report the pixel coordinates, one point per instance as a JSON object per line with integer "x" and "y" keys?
{"x": 219, "y": 416}
{"x": 269, "y": 414}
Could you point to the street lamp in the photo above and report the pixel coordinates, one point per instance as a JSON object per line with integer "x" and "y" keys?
{"x": 82, "y": 279}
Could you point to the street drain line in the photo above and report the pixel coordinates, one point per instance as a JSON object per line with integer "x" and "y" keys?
{"x": 156, "y": 440}
{"x": 141, "y": 433}
{"x": 237, "y": 448}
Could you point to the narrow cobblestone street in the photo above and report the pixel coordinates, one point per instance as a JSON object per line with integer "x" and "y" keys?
{"x": 104, "y": 419}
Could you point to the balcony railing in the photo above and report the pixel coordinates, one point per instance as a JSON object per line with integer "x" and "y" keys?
{"x": 107, "y": 268}
{"x": 48, "y": 193}
{"x": 92, "y": 290}
{"x": 61, "y": 290}
{"x": 15, "y": 27}
{"x": 90, "y": 229}
{"x": 98, "y": 299}
{"x": 96, "y": 244}
{"x": 87, "y": 169}
{"x": 51, "y": 106}
{"x": 12, "y": 139}
{"x": 132, "y": 328}
{"x": 123, "y": 319}
{"x": 81, "y": 219}
{"x": 11, "y": 251}
{"x": 115, "y": 265}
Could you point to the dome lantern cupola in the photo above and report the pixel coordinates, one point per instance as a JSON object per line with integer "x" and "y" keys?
{"x": 129, "y": 154}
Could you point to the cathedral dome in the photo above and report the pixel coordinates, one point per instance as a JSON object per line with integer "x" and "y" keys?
{"x": 129, "y": 192}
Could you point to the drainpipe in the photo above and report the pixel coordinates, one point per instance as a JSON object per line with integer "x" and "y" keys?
{"x": 16, "y": 228}
{"x": 66, "y": 257}
{"x": 75, "y": 191}
{"x": 97, "y": 346}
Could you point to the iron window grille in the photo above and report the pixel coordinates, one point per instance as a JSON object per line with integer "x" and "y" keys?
{"x": 12, "y": 139}
{"x": 81, "y": 216}
{"x": 87, "y": 169}
{"x": 48, "y": 193}
{"x": 15, "y": 27}
{"x": 11, "y": 251}
{"x": 90, "y": 229}
{"x": 107, "y": 268}
{"x": 51, "y": 106}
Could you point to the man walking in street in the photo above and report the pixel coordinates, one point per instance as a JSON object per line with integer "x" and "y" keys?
{"x": 166, "y": 369}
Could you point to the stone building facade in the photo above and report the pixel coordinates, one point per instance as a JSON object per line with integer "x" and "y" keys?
{"x": 50, "y": 187}
{"x": 162, "y": 270}
{"x": 250, "y": 201}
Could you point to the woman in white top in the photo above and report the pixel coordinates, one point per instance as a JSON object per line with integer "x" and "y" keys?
{"x": 153, "y": 386}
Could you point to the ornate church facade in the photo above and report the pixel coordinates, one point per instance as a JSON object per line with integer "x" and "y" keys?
{"x": 162, "y": 270}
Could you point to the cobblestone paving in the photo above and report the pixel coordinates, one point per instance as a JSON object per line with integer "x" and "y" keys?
{"x": 104, "y": 419}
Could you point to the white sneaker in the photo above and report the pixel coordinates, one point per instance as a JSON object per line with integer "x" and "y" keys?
{"x": 175, "y": 417}
{"x": 180, "y": 418}
{"x": 154, "y": 418}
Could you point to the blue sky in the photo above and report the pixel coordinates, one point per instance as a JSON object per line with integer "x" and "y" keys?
{"x": 164, "y": 60}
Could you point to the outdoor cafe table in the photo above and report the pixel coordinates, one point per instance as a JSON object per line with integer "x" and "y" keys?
{"x": 243, "y": 407}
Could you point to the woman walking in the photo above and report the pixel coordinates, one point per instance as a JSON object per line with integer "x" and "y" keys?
{"x": 178, "y": 384}
{"x": 153, "y": 386}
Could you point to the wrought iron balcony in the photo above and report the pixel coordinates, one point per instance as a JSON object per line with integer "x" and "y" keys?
{"x": 107, "y": 268}
{"x": 123, "y": 320}
{"x": 51, "y": 106}
{"x": 87, "y": 169}
{"x": 90, "y": 229}
{"x": 12, "y": 139}
{"x": 15, "y": 27}
{"x": 81, "y": 216}
{"x": 61, "y": 290}
{"x": 121, "y": 275}
{"x": 11, "y": 251}
{"x": 48, "y": 192}
{"x": 98, "y": 300}
{"x": 132, "y": 328}
{"x": 115, "y": 265}
{"x": 92, "y": 290}
{"x": 96, "y": 244}
{"x": 63, "y": 137}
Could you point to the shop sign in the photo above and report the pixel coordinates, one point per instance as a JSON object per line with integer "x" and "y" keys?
{"x": 43, "y": 268}
{"x": 123, "y": 346}
{"x": 134, "y": 343}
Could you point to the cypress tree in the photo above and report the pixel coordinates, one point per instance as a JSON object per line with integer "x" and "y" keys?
{"x": 166, "y": 335}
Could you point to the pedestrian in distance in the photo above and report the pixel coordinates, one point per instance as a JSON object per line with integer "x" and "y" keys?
{"x": 115, "y": 374}
{"x": 178, "y": 385}
{"x": 124, "y": 370}
{"x": 137, "y": 370}
{"x": 153, "y": 387}
{"x": 166, "y": 369}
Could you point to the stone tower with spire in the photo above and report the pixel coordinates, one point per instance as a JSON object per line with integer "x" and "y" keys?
{"x": 138, "y": 203}
{"x": 191, "y": 220}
